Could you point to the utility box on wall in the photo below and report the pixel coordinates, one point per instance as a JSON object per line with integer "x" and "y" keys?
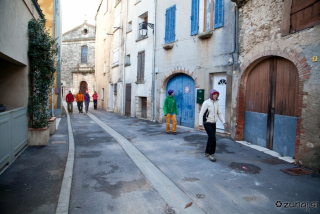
{"x": 200, "y": 96}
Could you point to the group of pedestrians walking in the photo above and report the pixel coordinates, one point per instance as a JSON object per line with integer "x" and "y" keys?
{"x": 208, "y": 117}
{"x": 80, "y": 98}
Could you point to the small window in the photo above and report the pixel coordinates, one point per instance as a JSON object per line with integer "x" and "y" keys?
{"x": 129, "y": 26}
{"x": 170, "y": 33}
{"x": 84, "y": 54}
{"x": 102, "y": 94}
{"x": 115, "y": 57}
{"x": 128, "y": 60}
{"x": 212, "y": 15}
{"x": 85, "y": 31}
{"x": 222, "y": 82}
{"x": 115, "y": 88}
{"x": 140, "y": 69}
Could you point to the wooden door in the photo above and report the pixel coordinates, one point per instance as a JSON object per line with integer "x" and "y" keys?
{"x": 83, "y": 87}
{"x": 143, "y": 107}
{"x": 219, "y": 83}
{"x": 128, "y": 100}
{"x": 271, "y": 105}
{"x": 184, "y": 92}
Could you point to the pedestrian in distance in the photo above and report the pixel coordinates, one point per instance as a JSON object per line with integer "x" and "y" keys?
{"x": 208, "y": 119}
{"x": 95, "y": 100}
{"x": 87, "y": 100}
{"x": 170, "y": 112}
{"x": 69, "y": 100}
{"x": 79, "y": 100}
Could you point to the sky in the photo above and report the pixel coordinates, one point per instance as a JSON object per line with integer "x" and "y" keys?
{"x": 74, "y": 12}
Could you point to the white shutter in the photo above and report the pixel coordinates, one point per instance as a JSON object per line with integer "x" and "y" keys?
{"x": 117, "y": 21}
{"x": 116, "y": 56}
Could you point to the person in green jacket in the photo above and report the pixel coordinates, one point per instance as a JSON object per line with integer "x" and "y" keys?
{"x": 170, "y": 111}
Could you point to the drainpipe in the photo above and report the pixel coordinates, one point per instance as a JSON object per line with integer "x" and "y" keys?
{"x": 53, "y": 36}
{"x": 124, "y": 73}
{"x": 154, "y": 65}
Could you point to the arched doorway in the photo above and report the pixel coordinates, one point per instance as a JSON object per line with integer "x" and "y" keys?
{"x": 184, "y": 92}
{"x": 272, "y": 105}
{"x": 83, "y": 86}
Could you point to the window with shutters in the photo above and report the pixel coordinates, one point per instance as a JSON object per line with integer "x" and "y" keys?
{"x": 299, "y": 15}
{"x": 84, "y": 54}
{"x": 212, "y": 14}
{"x": 115, "y": 57}
{"x": 170, "y": 33}
{"x": 140, "y": 69}
{"x": 194, "y": 17}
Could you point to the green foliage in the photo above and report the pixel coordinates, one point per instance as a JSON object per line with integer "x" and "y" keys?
{"x": 42, "y": 49}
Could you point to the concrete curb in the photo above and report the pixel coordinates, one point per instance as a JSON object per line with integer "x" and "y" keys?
{"x": 171, "y": 193}
{"x": 64, "y": 197}
{"x": 267, "y": 151}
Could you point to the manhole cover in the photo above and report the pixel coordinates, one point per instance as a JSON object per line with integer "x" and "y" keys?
{"x": 245, "y": 167}
{"x": 58, "y": 142}
{"x": 170, "y": 210}
{"x": 272, "y": 161}
{"x": 297, "y": 171}
{"x": 200, "y": 195}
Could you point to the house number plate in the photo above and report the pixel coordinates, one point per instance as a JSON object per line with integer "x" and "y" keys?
{"x": 186, "y": 89}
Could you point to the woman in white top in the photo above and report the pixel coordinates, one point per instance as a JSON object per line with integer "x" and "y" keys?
{"x": 211, "y": 117}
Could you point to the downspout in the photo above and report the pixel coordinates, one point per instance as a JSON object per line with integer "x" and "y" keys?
{"x": 154, "y": 65}
{"x": 124, "y": 63}
{"x": 53, "y": 36}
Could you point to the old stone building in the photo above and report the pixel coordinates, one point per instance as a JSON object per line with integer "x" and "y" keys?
{"x": 278, "y": 84}
{"x": 78, "y": 59}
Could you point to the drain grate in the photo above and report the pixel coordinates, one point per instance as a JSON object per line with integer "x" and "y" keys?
{"x": 170, "y": 211}
{"x": 200, "y": 195}
{"x": 297, "y": 171}
{"x": 245, "y": 167}
{"x": 58, "y": 142}
{"x": 273, "y": 161}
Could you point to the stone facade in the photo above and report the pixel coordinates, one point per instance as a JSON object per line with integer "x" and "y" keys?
{"x": 260, "y": 37}
{"x": 73, "y": 72}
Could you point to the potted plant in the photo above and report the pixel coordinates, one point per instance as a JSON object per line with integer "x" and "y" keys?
{"x": 41, "y": 53}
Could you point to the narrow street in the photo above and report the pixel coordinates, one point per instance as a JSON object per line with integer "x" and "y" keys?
{"x": 129, "y": 165}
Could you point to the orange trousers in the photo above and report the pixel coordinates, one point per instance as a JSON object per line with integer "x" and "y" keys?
{"x": 174, "y": 122}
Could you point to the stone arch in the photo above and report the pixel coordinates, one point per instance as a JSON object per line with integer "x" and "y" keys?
{"x": 304, "y": 74}
{"x": 175, "y": 72}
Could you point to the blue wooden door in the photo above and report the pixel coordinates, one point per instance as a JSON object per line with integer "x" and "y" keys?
{"x": 184, "y": 92}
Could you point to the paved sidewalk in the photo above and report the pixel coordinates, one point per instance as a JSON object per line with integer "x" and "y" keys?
{"x": 31, "y": 184}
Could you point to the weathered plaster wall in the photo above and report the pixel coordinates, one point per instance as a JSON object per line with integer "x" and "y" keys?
{"x": 14, "y": 63}
{"x": 260, "y": 36}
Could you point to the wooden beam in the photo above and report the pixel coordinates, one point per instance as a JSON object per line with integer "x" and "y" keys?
{"x": 285, "y": 25}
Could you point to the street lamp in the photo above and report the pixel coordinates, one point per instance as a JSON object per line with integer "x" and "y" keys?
{"x": 143, "y": 29}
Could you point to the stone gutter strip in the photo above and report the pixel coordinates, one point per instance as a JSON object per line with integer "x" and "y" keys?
{"x": 267, "y": 151}
{"x": 171, "y": 194}
{"x": 64, "y": 197}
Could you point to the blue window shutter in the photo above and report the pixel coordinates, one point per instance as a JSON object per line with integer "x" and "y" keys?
{"x": 173, "y": 23}
{"x": 170, "y": 24}
{"x": 218, "y": 13}
{"x": 194, "y": 17}
{"x": 167, "y": 31}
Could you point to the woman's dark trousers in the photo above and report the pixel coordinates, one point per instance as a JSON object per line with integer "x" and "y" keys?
{"x": 95, "y": 104}
{"x": 80, "y": 105}
{"x": 211, "y": 132}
